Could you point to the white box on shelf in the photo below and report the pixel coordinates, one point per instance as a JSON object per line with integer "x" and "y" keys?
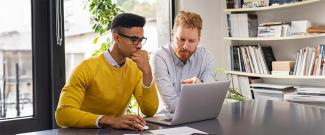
{"x": 299, "y": 27}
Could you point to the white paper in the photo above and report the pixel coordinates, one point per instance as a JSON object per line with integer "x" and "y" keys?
{"x": 304, "y": 98}
{"x": 273, "y": 86}
{"x": 177, "y": 131}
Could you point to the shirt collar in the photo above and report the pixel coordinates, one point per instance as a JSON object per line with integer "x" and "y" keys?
{"x": 110, "y": 59}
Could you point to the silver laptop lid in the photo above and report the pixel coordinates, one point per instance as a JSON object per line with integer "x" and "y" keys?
{"x": 200, "y": 101}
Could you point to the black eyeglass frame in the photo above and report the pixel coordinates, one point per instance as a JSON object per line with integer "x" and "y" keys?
{"x": 135, "y": 40}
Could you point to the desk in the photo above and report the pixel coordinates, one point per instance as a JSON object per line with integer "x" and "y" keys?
{"x": 253, "y": 117}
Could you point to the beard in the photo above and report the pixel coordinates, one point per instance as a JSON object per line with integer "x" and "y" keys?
{"x": 183, "y": 55}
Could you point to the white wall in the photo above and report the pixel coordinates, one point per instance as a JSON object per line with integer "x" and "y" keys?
{"x": 214, "y": 27}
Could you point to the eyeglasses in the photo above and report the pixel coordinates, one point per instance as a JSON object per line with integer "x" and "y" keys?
{"x": 135, "y": 40}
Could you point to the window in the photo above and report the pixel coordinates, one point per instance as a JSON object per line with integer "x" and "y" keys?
{"x": 16, "y": 90}
{"x": 79, "y": 36}
{"x": 25, "y": 60}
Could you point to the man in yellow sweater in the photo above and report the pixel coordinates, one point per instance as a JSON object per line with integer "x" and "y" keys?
{"x": 100, "y": 88}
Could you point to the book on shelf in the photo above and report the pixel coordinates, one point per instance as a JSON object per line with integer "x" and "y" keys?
{"x": 230, "y": 4}
{"x": 247, "y": 25}
{"x": 308, "y": 90}
{"x": 255, "y": 3}
{"x": 251, "y": 3}
{"x": 304, "y": 97}
{"x": 310, "y": 61}
{"x": 262, "y": 59}
{"x": 269, "y": 94}
{"x": 236, "y": 63}
{"x": 274, "y": 29}
{"x": 269, "y": 31}
{"x": 233, "y": 28}
{"x": 242, "y": 85}
{"x": 272, "y": 86}
{"x": 316, "y": 29}
{"x": 245, "y": 60}
{"x": 249, "y": 58}
{"x": 268, "y": 56}
{"x": 282, "y": 65}
{"x": 273, "y": 2}
{"x": 270, "y": 91}
{"x": 238, "y": 4}
{"x": 229, "y": 25}
{"x": 242, "y": 25}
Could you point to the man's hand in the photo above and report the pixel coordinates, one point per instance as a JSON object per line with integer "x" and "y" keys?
{"x": 141, "y": 59}
{"x": 191, "y": 81}
{"x": 131, "y": 122}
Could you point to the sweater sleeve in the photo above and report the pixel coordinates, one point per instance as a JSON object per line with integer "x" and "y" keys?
{"x": 146, "y": 97}
{"x": 68, "y": 112}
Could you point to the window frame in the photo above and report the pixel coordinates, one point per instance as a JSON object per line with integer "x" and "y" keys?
{"x": 45, "y": 67}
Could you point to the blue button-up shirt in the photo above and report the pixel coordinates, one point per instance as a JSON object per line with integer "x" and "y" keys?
{"x": 169, "y": 71}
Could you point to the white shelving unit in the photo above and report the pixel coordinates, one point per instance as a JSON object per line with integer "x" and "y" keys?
{"x": 273, "y": 7}
{"x": 274, "y": 38}
{"x": 284, "y": 48}
{"x": 275, "y": 76}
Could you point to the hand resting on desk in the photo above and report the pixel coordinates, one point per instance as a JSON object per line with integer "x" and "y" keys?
{"x": 131, "y": 122}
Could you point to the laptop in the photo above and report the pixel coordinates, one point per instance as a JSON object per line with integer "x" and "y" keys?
{"x": 197, "y": 102}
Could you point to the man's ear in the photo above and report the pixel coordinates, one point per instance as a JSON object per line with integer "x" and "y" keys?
{"x": 115, "y": 37}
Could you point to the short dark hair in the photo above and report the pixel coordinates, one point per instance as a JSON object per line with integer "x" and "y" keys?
{"x": 127, "y": 20}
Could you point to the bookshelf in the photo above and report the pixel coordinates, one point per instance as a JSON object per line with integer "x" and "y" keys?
{"x": 274, "y": 76}
{"x": 284, "y": 48}
{"x": 273, "y": 7}
{"x": 274, "y": 38}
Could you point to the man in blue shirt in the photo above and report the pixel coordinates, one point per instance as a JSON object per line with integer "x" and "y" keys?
{"x": 182, "y": 61}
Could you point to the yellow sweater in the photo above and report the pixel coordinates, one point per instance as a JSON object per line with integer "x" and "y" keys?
{"x": 97, "y": 88}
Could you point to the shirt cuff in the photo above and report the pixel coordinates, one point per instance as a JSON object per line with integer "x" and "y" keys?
{"x": 97, "y": 121}
{"x": 146, "y": 87}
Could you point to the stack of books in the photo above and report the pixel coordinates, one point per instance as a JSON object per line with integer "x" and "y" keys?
{"x": 307, "y": 94}
{"x": 268, "y": 91}
{"x": 274, "y": 29}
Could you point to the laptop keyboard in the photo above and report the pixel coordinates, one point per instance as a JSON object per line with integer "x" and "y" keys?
{"x": 163, "y": 118}
{"x": 168, "y": 120}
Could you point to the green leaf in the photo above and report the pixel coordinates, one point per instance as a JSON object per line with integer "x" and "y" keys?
{"x": 95, "y": 40}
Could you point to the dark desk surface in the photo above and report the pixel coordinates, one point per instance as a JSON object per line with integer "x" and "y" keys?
{"x": 254, "y": 117}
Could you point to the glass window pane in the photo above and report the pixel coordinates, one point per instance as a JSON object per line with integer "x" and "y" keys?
{"x": 146, "y": 8}
{"x": 78, "y": 34}
{"x": 16, "y": 81}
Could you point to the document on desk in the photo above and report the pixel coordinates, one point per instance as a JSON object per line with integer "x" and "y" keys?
{"x": 177, "y": 131}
